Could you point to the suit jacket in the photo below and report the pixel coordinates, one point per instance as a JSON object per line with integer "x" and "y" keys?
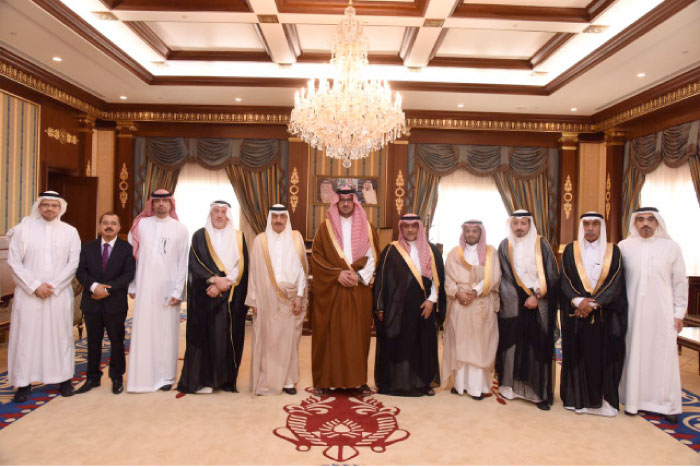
{"x": 120, "y": 271}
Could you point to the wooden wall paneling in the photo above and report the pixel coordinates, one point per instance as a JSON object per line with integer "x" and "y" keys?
{"x": 614, "y": 158}
{"x": 298, "y": 183}
{"x": 568, "y": 183}
{"x": 60, "y": 138}
{"x": 86, "y": 127}
{"x": 694, "y": 299}
{"x": 396, "y": 179}
{"x": 124, "y": 175}
{"x": 212, "y": 130}
{"x": 590, "y": 192}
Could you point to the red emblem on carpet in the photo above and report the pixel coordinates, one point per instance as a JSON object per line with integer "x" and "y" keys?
{"x": 341, "y": 422}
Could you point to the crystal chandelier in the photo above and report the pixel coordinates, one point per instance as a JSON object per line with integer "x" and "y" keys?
{"x": 352, "y": 116}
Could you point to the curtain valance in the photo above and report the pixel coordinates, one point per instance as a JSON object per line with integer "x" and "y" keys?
{"x": 212, "y": 153}
{"x": 673, "y": 146}
{"x": 521, "y": 162}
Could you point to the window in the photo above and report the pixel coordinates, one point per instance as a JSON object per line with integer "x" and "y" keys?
{"x": 196, "y": 189}
{"x": 672, "y": 192}
{"x": 461, "y": 197}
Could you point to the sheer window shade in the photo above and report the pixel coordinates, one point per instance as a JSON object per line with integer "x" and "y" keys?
{"x": 196, "y": 189}
{"x": 463, "y": 196}
{"x": 671, "y": 190}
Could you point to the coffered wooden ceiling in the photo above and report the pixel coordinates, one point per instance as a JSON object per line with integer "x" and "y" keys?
{"x": 529, "y": 56}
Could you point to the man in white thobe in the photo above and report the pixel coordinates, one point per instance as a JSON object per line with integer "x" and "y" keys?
{"x": 276, "y": 295}
{"x": 657, "y": 292}
{"x": 43, "y": 257}
{"x": 160, "y": 249}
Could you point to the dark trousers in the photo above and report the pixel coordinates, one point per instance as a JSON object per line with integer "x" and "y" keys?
{"x": 96, "y": 324}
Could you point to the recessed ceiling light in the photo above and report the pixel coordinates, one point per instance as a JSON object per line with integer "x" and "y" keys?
{"x": 574, "y": 109}
{"x": 238, "y": 99}
{"x": 641, "y": 75}
{"x": 57, "y": 59}
{"x": 460, "y": 105}
{"x": 122, "y": 98}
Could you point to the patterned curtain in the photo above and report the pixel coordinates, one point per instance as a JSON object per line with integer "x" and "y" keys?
{"x": 19, "y": 156}
{"x": 158, "y": 161}
{"x": 526, "y": 177}
{"x": 530, "y": 194}
{"x": 257, "y": 180}
{"x": 694, "y": 165}
{"x": 674, "y": 147}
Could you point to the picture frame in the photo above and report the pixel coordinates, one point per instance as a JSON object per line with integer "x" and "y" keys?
{"x": 366, "y": 189}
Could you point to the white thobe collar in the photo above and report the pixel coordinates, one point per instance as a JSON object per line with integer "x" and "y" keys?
{"x": 591, "y": 260}
{"x": 346, "y": 227}
{"x": 471, "y": 254}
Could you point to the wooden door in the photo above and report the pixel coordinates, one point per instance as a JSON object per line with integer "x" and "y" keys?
{"x": 81, "y": 195}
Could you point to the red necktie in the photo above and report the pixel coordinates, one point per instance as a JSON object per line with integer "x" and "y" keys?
{"x": 105, "y": 256}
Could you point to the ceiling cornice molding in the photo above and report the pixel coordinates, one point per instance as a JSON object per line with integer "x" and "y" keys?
{"x": 664, "y": 95}
{"x": 650, "y": 106}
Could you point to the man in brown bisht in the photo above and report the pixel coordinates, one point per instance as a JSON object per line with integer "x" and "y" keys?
{"x": 470, "y": 341}
{"x": 276, "y": 295}
{"x": 343, "y": 262}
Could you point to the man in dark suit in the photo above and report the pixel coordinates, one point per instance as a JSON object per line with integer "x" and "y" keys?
{"x": 106, "y": 268}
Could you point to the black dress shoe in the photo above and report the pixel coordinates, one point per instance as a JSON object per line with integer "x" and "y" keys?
{"x": 290, "y": 391}
{"x": 429, "y": 391}
{"x": 87, "y": 385}
{"x": 66, "y": 388}
{"x": 673, "y": 419}
{"x": 117, "y": 386}
{"x": 454, "y": 391}
{"x": 630, "y": 414}
{"x": 544, "y": 405}
{"x": 166, "y": 387}
{"x": 478, "y": 398}
{"x": 22, "y": 394}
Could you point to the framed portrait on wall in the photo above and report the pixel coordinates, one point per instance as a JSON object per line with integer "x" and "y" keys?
{"x": 366, "y": 189}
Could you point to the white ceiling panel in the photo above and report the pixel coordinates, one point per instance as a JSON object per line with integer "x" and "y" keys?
{"x": 207, "y": 36}
{"x": 321, "y": 37}
{"x": 492, "y": 44}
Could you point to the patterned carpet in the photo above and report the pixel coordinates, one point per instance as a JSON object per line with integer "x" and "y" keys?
{"x": 341, "y": 419}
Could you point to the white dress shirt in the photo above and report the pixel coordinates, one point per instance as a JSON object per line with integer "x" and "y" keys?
{"x": 102, "y": 247}
{"x": 591, "y": 262}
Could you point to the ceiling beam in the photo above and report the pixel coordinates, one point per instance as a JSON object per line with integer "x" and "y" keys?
{"x": 178, "y": 5}
{"x": 362, "y": 7}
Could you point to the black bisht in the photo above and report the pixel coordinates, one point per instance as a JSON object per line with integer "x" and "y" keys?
{"x": 215, "y": 326}
{"x": 526, "y": 337}
{"x": 406, "y": 359}
{"x": 593, "y": 348}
